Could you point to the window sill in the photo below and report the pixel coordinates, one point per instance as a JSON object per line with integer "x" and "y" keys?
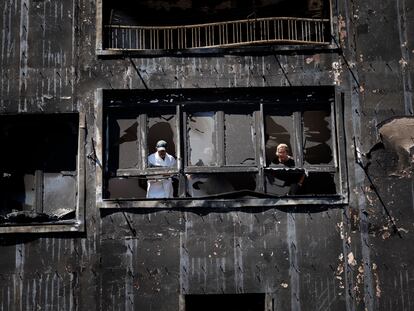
{"x": 48, "y": 227}
{"x": 186, "y": 203}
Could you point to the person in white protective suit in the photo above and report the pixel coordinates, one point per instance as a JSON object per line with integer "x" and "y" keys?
{"x": 160, "y": 187}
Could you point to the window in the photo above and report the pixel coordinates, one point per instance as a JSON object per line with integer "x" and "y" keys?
{"x": 223, "y": 302}
{"x": 41, "y": 183}
{"x": 188, "y": 25}
{"x": 224, "y": 143}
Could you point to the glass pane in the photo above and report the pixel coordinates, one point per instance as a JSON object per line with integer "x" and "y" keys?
{"x": 199, "y": 185}
{"x": 278, "y": 130}
{"x": 126, "y": 188}
{"x": 295, "y": 182}
{"x": 17, "y": 192}
{"x": 320, "y": 184}
{"x": 285, "y": 182}
{"x": 123, "y": 139}
{"x": 201, "y": 139}
{"x": 162, "y": 127}
{"x": 239, "y": 139}
{"x": 317, "y": 144}
{"x": 59, "y": 194}
{"x": 136, "y": 188}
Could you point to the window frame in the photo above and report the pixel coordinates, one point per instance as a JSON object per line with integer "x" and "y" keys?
{"x": 102, "y": 51}
{"x": 77, "y": 224}
{"x": 338, "y": 148}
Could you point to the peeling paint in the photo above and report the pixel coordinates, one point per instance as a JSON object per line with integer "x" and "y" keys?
{"x": 351, "y": 259}
{"x": 336, "y": 70}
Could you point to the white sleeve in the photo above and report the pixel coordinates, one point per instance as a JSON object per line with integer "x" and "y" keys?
{"x": 151, "y": 160}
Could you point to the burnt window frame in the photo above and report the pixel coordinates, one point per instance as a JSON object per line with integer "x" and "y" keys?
{"x": 103, "y": 51}
{"x": 75, "y": 224}
{"x": 338, "y": 148}
{"x": 142, "y": 167}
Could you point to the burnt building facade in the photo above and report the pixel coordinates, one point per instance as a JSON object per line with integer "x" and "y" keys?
{"x": 89, "y": 87}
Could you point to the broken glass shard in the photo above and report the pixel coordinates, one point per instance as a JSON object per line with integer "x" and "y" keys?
{"x": 240, "y": 137}
{"x": 317, "y": 144}
{"x": 201, "y": 139}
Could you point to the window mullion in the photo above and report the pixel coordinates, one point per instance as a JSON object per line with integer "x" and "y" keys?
{"x": 108, "y": 125}
{"x": 333, "y": 134}
{"x": 39, "y": 180}
{"x": 220, "y": 132}
{"x": 298, "y": 144}
{"x": 260, "y": 147}
{"x": 177, "y": 129}
{"x": 184, "y": 134}
{"x": 181, "y": 127}
{"x": 142, "y": 141}
{"x": 339, "y": 134}
{"x": 261, "y": 141}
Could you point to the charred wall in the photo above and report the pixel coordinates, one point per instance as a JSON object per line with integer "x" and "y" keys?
{"x": 351, "y": 257}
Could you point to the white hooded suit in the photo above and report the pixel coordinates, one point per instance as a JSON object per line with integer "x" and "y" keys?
{"x": 160, "y": 188}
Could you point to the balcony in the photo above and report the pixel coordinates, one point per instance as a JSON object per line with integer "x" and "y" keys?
{"x": 238, "y": 33}
{"x": 162, "y": 27}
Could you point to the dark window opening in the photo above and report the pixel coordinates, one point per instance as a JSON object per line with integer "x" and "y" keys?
{"x": 188, "y": 24}
{"x": 278, "y": 130}
{"x": 38, "y": 167}
{"x": 164, "y": 13}
{"x": 204, "y": 185}
{"x": 162, "y": 127}
{"x": 317, "y": 134}
{"x": 126, "y": 188}
{"x": 225, "y": 302}
{"x": 227, "y": 147}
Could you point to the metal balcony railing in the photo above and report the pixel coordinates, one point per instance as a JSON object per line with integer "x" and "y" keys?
{"x": 284, "y": 30}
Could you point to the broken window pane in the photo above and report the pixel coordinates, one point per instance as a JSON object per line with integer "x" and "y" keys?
{"x": 132, "y": 187}
{"x": 199, "y": 185}
{"x": 35, "y": 148}
{"x": 319, "y": 184}
{"x": 162, "y": 127}
{"x": 221, "y": 302}
{"x": 58, "y": 190}
{"x": 317, "y": 138}
{"x": 201, "y": 139}
{"x": 278, "y": 130}
{"x": 123, "y": 142}
{"x": 296, "y": 182}
{"x": 17, "y": 192}
{"x": 240, "y": 137}
{"x": 126, "y": 188}
{"x": 285, "y": 182}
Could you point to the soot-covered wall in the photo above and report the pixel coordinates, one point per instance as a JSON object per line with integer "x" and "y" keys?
{"x": 352, "y": 257}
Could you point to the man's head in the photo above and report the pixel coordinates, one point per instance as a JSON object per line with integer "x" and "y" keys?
{"x": 161, "y": 147}
{"x": 282, "y": 152}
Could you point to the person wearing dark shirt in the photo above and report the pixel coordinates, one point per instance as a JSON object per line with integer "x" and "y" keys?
{"x": 283, "y": 157}
{"x": 289, "y": 178}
